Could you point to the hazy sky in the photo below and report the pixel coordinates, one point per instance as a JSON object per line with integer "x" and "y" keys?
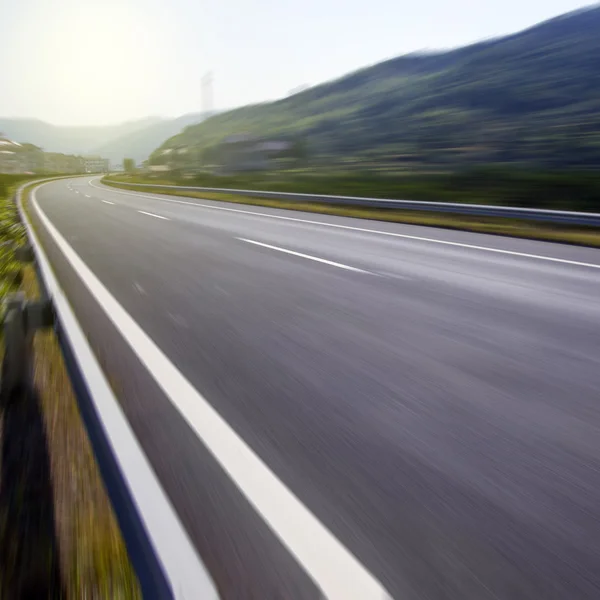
{"x": 102, "y": 61}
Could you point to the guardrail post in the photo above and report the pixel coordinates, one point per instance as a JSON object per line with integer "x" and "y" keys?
{"x": 22, "y": 318}
{"x": 16, "y": 366}
{"x": 24, "y": 254}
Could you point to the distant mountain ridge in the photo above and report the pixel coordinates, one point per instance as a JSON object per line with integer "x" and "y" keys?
{"x": 532, "y": 97}
{"x": 131, "y": 139}
{"x": 138, "y": 144}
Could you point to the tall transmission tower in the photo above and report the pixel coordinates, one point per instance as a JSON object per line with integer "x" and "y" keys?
{"x": 207, "y": 93}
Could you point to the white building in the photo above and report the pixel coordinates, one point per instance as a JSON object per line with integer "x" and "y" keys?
{"x": 96, "y": 164}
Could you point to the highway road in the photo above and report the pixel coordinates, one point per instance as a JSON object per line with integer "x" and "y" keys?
{"x": 430, "y": 396}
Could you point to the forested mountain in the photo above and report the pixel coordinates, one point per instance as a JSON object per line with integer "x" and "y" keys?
{"x": 531, "y": 98}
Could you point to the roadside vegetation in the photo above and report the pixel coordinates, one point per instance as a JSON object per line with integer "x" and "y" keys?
{"x": 535, "y": 190}
{"x": 11, "y": 231}
{"x": 557, "y": 190}
{"x": 58, "y": 535}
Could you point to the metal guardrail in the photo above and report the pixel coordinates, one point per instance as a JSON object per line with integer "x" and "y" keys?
{"x": 481, "y": 210}
{"x": 162, "y": 555}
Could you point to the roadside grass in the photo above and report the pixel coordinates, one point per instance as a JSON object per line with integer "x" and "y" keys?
{"x": 11, "y": 232}
{"x": 551, "y": 232}
{"x": 81, "y": 539}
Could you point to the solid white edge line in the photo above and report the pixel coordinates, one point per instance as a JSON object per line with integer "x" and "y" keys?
{"x": 307, "y": 256}
{"x": 185, "y": 571}
{"x": 153, "y": 215}
{"x": 361, "y": 229}
{"x": 336, "y": 571}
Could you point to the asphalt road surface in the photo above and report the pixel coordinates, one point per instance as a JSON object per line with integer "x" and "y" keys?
{"x": 431, "y": 396}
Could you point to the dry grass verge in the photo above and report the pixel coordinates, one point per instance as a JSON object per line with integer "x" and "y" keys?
{"x": 93, "y": 558}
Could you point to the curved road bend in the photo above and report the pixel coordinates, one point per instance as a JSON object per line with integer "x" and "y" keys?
{"x": 430, "y": 396}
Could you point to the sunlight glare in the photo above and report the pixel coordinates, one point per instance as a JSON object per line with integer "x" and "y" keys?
{"x": 101, "y": 59}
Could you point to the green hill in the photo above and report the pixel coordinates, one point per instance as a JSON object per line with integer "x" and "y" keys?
{"x": 531, "y": 98}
